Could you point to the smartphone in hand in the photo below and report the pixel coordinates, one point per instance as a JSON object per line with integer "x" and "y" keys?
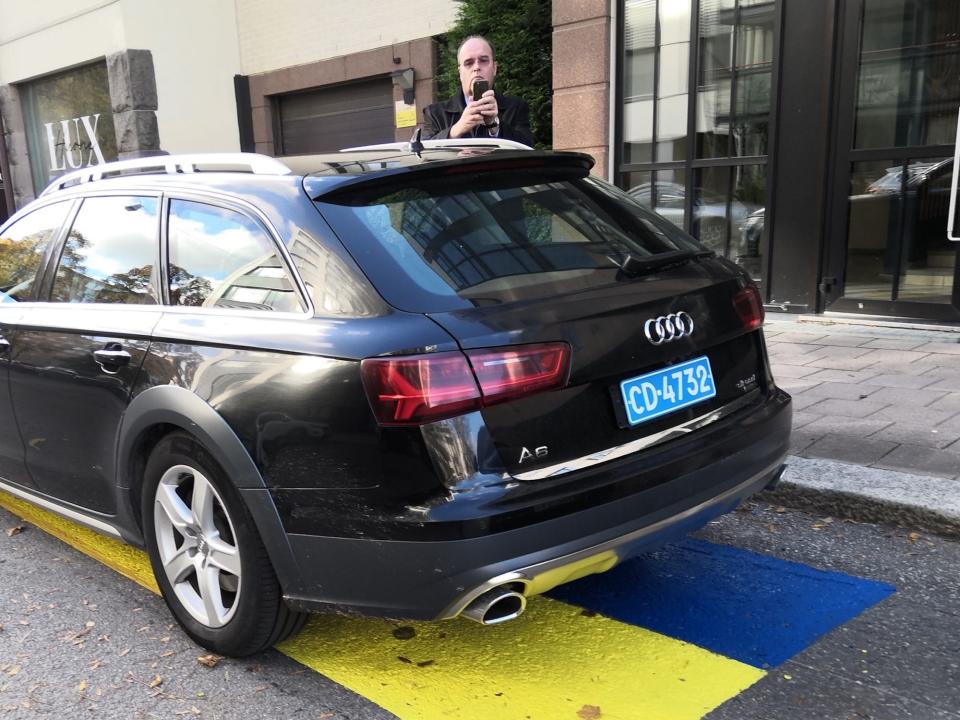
{"x": 480, "y": 86}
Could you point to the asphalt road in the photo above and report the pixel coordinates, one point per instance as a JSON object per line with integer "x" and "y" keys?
{"x": 78, "y": 639}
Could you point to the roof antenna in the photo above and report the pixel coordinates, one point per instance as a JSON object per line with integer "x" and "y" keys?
{"x": 415, "y": 145}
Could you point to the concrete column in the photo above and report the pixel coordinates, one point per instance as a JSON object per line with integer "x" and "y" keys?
{"x": 15, "y": 139}
{"x": 133, "y": 97}
{"x": 581, "y": 78}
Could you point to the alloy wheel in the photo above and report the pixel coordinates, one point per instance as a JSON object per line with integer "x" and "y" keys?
{"x": 197, "y": 545}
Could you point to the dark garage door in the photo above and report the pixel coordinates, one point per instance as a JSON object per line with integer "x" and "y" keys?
{"x": 332, "y": 118}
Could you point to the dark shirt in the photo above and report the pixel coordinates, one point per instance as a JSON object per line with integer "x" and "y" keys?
{"x": 513, "y": 112}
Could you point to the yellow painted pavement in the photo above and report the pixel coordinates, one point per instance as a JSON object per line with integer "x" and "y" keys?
{"x": 556, "y": 661}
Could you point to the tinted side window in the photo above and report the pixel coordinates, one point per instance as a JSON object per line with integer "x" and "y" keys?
{"x": 21, "y": 250}
{"x": 222, "y": 258}
{"x": 110, "y": 253}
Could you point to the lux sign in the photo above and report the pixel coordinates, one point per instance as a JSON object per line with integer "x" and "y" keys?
{"x": 68, "y": 150}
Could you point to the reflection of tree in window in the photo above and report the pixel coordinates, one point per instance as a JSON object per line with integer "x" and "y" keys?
{"x": 121, "y": 287}
{"x": 19, "y": 258}
{"x": 188, "y": 289}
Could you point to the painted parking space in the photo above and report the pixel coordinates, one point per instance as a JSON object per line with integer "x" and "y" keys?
{"x": 672, "y": 636}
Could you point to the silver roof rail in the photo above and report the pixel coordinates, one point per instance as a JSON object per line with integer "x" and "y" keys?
{"x": 172, "y": 165}
{"x": 447, "y": 143}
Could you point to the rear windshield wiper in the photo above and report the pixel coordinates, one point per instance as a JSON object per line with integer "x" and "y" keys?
{"x": 633, "y": 266}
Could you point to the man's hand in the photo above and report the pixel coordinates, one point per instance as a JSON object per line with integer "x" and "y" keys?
{"x": 478, "y": 112}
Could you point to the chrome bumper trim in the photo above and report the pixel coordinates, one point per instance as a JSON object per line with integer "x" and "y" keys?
{"x": 527, "y": 575}
{"x": 633, "y": 446}
{"x": 93, "y": 523}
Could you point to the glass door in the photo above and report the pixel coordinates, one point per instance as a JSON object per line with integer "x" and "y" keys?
{"x": 889, "y": 253}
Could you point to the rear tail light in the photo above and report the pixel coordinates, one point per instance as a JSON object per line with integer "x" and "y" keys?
{"x": 418, "y": 389}
{"x": 749, "y": 307}
{"x": 508, "y": 373}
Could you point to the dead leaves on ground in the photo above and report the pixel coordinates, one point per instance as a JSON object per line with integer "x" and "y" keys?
{"x": 210, "y": 660}
{"x": 15, "y": 530}
{"x": 589, "y": 712}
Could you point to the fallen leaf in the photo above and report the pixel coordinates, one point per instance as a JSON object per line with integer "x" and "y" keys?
{"x": 168, "y": 653}
{"x": 425, "y": 663}
{"x": 588, "y": 613}
{"x": 156, "y": 682}
{"x": 402, "y": 659}
{"x": 209, "y": 660}
{"x": 914, "y": 536}
{"x": 15, "y": 530}
{"x": 95, "y": 664}
{"x": 780, "y": 509}
{"x": 82, "y": 686}
{"x": 13, "y": 671}
{"x": 123, "y": 652}
{"x": 788, "y": 677}
{"x": 589, "y": 712}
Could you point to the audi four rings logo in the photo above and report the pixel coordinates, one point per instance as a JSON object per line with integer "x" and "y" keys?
{"x": 668, "y": 328}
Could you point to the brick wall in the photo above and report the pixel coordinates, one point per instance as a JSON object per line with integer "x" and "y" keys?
{"x": 581, "y": 78}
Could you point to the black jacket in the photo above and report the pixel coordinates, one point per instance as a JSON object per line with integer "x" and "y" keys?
{"x": 513, "y": 111}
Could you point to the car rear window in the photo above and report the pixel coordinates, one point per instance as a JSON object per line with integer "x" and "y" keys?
{"x": 442, "y": 243}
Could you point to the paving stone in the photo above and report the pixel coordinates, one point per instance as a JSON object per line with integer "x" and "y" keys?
{"x": 800, "y": 402}
{"x": 840, "y": 363}
{"x": 801, "y": 418}
{"x": 894, "y": 344}
{"x": 800, "y": 440}
{"x": 907, "y": 396}
{"x": 947, "y": 381}
{"x": 778, "y": 348}
{"x": 837, "y": 447}
{"x": 845, "y": 340}
{"x": 850, "y": 408}
{"x": 899, "y": 380}
{"x": 948, "y": 403}
{"x": 841, "y": 391}
{"x": 941, "y": 347}
{"x": 914, "y": 458}
{"x": 792, "y": 371}
{"x": 914, "y": 414}
{"x": 793, "y": 385}
{"x": 845, "y": 426}
{"x": 801, "y": 337}
{"x": 905, "y": 356}
{"x": 915, "y": 367}
{"x": 918, "y": 434}
{"x": 847, "y": 376}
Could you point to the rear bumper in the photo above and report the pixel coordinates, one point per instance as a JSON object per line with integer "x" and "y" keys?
{"x": 421, "y": 579}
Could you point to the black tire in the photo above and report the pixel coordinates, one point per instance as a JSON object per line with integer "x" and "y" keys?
{"x": 257, "y": 618}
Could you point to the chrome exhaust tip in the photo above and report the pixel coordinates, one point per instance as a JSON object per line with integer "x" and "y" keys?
{"x": 496, "y": 606}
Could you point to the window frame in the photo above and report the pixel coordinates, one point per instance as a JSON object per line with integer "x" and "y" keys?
{"x": 53, "y": 263}
{"x": 252, "y": 213}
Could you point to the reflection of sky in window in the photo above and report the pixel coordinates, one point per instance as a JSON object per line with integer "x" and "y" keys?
{"x": 213, "y": 242}
{"x": 120, "y": 232}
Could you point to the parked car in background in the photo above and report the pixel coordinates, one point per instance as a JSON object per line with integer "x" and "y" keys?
{"x": 407, "y": 381}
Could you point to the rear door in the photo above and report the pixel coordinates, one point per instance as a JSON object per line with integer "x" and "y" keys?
{"x": 74, "y": 358}
{"x": 23, "y": 246}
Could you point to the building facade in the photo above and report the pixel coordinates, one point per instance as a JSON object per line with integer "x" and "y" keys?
{"x": 810, "y": 141}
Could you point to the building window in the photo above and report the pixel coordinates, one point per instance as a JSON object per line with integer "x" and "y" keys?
{"x": 698, "y": 155}
{"x": 69, "y": 122}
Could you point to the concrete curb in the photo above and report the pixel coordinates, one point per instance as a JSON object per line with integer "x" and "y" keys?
{"x": 869, "y": 494}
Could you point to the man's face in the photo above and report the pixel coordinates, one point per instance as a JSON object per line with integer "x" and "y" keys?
{"x": 475, "y": 60}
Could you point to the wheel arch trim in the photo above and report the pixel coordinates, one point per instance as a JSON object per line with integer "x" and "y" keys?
{"x": 175, "y": 406}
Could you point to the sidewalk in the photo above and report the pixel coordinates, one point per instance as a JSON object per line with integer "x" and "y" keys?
{"x": 876, "y": 420}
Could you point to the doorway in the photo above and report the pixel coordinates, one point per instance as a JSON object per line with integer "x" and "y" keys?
{"x": 896, "y": 121}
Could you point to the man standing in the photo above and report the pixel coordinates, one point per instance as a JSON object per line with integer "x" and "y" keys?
{"x": 492, "y": 115}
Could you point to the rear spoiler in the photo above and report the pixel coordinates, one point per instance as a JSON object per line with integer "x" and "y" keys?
{"x": 568, "y": 164}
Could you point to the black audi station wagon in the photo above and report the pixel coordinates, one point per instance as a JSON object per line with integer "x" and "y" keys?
{"x": 412, "y": 382}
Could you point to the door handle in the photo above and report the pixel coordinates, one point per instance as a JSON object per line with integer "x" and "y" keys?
{"x": 113, "y": 355}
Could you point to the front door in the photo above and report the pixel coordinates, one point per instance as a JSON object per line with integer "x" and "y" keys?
{"x": 896, "y": 121}
{"x": 75, "y": 356}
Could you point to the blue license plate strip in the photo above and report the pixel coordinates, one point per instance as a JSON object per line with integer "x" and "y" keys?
{"x": 673, "y": 388}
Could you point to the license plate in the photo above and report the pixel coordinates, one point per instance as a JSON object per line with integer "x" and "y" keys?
{"x": 661, "y": 392}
